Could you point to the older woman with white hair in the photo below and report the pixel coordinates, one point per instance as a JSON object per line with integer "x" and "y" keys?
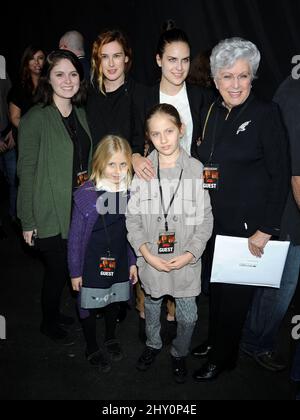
{"x": 244, "y": 151}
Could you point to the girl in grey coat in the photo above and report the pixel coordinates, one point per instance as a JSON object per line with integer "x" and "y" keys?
{"x": 169, "y": 222}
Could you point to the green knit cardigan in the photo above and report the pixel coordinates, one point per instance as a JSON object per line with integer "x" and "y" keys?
{"x": 45, "y": 170}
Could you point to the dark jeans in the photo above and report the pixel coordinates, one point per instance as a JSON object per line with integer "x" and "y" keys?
{"x": 54, "y": 254}
{"x": 229, "y": 305}
{"x": 269, "y": 308}
{"x": 295, "y": 374}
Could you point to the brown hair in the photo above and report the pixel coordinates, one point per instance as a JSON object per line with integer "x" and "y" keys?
{"x": 166, "y": 109}
{"x": 104, "y": 38}
{"x": 44, "y": 94}
{"x": 170, "y": 35}
{"x": 200, "y": 73}
{"x": 28, "y": 55}
{"x": 107, "y": 147}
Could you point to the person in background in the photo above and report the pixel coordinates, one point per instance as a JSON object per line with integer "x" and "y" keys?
{"x": 74, "y": 41}
{"x": 269, "y": 306}
{"x": 8, "y": 162}
{"x": 21, "y": 96}
{"x": 200, "y": 73}
{"x": 55, "y": 153}
{"x": 244, "y": 144}
{"x": 99, "y": 265}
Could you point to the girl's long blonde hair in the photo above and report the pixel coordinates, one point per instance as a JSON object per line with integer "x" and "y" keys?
{"x": 107, "y": 147}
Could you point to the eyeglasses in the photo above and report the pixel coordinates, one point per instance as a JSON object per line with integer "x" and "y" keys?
{"x": 229, "y": 78}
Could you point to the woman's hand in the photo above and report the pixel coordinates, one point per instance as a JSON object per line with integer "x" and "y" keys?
{"x": 27, "y": 235}
{"x": 143, "y": 167}
{"x": 181, "y": 261}
{"x": 133, "y": 274}
{"x": 76, "y": 284}
{"x": 3, "y": 146}
{"x": 257, "y": 243}
{"x": 10, "y": 141}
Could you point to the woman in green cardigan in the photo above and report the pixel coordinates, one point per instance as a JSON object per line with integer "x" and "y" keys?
{"x": 54, "y": 158}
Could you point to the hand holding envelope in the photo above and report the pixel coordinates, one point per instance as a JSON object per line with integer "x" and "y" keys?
{"x": 234, "y": 264}
{"x": 257, "y": 243}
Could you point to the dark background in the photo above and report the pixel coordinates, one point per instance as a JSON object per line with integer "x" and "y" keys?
{"x": 273, "y": 26}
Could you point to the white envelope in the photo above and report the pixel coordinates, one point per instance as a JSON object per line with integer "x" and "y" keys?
{"x": 234, "y": 264}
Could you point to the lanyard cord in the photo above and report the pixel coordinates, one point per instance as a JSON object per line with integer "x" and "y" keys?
{"x": 107, "y": 236}
{"x": 166, "y": 212}
{"x": 206, "y": 120}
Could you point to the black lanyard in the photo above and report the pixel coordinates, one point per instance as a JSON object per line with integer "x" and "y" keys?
{"x": 105, "y": 227}
{"x": 166, "y": 212}
{"x": 72, "y": 129}
{"x": 214, "y": 137}
{"x": 107, "y": 236}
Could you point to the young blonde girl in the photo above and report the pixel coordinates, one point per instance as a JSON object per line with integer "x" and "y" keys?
{"x": 101, "y": 262}
{"x": 169, "y": 222}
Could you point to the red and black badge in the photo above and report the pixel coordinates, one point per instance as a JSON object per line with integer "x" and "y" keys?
{"x": 107, "y": 266}
{"x": 166, "y": 243}
{"x": 211, "y": 177}
{"x": 82, "y": 177}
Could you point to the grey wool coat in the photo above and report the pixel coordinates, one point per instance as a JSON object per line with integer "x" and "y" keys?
{"x": 190, "y": 217}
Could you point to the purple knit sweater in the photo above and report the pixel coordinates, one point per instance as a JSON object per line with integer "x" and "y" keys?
{"x": 84, "y": 218}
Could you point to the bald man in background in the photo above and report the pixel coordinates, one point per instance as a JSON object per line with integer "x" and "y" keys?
{"x": 74, "y": 41}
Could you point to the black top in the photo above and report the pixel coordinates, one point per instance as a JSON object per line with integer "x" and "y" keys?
{"x": 81, "y": 144}
{"x": 21, "y": 97}
{"x": 98, "y": 244}
{"x": 198, "y": 98}
{"x": 113, "y": 113}
{"x": 5, "y": 86}
{"x": 251, "y": 150}
{"x": 86, "y": 67}
{"x": 288, "y": 98}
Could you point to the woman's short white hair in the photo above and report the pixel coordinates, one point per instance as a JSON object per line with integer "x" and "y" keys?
{"x": 228, "y": 51}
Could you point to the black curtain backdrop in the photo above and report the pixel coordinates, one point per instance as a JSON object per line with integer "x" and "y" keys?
{"x": 271, "y": 25}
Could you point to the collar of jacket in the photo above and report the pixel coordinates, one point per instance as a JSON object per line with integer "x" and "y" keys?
{"x": 220, "y": 103}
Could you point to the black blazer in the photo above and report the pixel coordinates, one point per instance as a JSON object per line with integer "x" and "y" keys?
{"x": 198, "y": 98}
